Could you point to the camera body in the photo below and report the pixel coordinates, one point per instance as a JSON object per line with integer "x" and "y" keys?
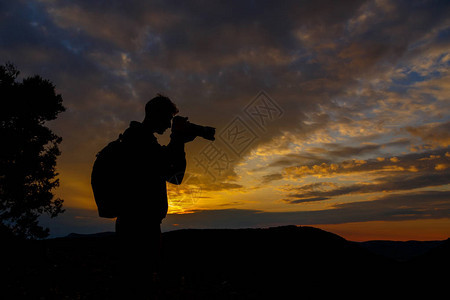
{"x": 183, "y": 127}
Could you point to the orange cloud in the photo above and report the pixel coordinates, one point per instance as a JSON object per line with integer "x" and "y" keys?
{"x": 441, "y": 167}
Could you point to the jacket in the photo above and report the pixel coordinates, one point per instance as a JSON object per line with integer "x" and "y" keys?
{"x": 149, "y": 166}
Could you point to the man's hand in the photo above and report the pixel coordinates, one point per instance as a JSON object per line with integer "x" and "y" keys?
{"x": 181, "y": 130}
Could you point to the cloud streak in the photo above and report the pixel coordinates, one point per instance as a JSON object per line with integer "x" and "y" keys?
{"x": 402, "y": 173}
{"x": 407, "y": 163}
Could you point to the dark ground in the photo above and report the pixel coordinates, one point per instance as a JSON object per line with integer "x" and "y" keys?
{"x": 286, "y": 262}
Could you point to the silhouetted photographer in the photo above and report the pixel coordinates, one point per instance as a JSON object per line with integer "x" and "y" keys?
{"x": 148, "y": 166}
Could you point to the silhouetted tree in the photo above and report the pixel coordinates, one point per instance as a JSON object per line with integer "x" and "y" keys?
{"x": 28, "y": 152}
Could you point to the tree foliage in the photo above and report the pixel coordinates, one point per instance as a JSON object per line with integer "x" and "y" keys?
{"x": 28, "y": 152}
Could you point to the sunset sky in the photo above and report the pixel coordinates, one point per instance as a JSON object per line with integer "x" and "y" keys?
{"x": 333, "y": 114}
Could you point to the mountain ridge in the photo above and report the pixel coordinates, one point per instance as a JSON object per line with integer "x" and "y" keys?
{"x": 397, "y": 250}
{"x": 253, "y": 263}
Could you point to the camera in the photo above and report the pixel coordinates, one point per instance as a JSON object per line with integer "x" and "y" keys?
{"x": 183, "y": 127}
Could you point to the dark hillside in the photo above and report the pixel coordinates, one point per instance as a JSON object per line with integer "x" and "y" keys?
{"x": 272, "y": 263}
{"x": 264, "y": 261}
{"x": 400, "y": 251}
{"x": 433, "y": 266}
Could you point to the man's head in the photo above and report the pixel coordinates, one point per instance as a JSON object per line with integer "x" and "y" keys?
{"x": 159, "y": 112}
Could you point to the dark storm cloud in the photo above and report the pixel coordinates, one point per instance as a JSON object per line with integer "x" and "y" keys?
{"x": 302, "y": 52}
{"x": 253, "y": 45}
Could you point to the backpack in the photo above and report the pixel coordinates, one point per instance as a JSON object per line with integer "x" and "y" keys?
{"x": 107, "y": 178}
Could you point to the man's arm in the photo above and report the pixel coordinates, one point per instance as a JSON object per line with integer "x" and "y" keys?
{"x": 175, "y": 150}
{"x": 176, "y": 161}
